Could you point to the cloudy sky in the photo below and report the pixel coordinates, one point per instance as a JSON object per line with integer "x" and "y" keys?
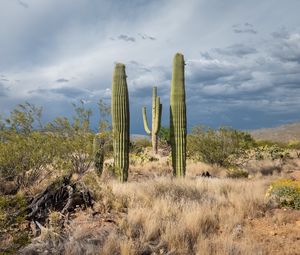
{"x": 242, "y": 56}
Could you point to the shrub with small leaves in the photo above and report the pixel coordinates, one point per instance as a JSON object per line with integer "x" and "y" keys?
{"x": 285, "y": 193}
{"x": 222, "y": 147}
{"x": 14, "y": 232}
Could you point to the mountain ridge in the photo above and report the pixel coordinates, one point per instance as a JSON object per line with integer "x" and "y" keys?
{"x": 282, "y": 133}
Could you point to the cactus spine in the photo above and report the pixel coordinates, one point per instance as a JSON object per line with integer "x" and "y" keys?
{"x": 156, "y": 119}
{"x": 178, "y": 116}
{"x": 120, "y": 122}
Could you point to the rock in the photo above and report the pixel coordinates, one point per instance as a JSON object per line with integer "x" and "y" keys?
{"x": 295, "y": 175}
{"x": 8, "y": 187}
{"x": 273, "y": 233}
{"x": 204, "y": 174}
{"x": 237, "y": 231}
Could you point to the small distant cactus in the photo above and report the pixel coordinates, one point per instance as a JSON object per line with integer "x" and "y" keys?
{"x": 98, "y": 153}
{"x": 156, "y": 119}
{"x": 120, "y": 122}
{"x": 178, "y": 117}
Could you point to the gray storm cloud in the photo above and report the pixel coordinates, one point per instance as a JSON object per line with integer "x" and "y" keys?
{"x": 240, "y": 65}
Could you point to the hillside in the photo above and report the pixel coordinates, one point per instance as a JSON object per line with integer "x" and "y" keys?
{"x": 282, "y": 133}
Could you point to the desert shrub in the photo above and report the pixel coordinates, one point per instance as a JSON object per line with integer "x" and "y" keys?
{"x": 28, "y": 148}
{"x": 219, "y": 147}
{"x": 164, "y": 141}
{"x": 139, "y": 145}
{"x": 75, "y": 150}
{"x": 270, "y": 150}
{"x": 294, "y": 145}
{"x": 237, "y": 173}
{"x": 26, "y": 155}
{"x": 268, "y": 143}
{"x": 13, "y": 231}
{"x": 164, "y": 135}
{"x": 25, "y": 151}
{"x": 286, "y": 193}
{"x": 24, "y": 118}
{"x": 141, "y": 158}
{"x": 139, "y": 151}
{"x": 277, "y": 152}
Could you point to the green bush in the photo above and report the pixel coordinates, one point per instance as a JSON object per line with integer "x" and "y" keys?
{"x": 28, "y": 148}
{"x": 12, "y": 222}
{"x": 139, "y": 145}
{"x": 294, "y": 145}
{"x": 286, "y": 193}
{"x": 26, "y": 154}
{"x": 219, "y": 147}
{"x": 25, "y": 151}
{"x": 271, "y": 150}
{"x": 164, "y": 135}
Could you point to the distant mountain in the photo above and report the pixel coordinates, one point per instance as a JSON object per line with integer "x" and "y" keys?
{"x": 282, "y": 133}
{"x": 135, "y": 137}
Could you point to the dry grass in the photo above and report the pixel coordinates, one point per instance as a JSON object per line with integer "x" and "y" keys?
{"x": 155, "y": 213}
{"x": 164, "y": 216}
{"x": 181, "y": 214}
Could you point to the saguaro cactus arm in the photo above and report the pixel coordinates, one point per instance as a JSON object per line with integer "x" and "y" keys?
{"x": 146, "y": 127}
{"x": 156, "y": 118}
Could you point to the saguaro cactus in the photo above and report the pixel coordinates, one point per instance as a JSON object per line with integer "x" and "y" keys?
{"x": 156, "y": 119}
{"x": 120, "y": 122}
{"x": 178, "y": 116}
{"x": 98, "y": 153}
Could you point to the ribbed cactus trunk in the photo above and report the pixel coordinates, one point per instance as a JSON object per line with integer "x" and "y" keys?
{"x": 178, "y": 117}
{"x": 98, "y": 152}
{"x": 120, "y": 122}
{"x": 156, "y": 119}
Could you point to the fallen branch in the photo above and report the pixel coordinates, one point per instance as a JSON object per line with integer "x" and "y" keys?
{"x": 62, "y": 196}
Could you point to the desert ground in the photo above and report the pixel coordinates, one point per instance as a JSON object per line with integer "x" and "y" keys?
{"x": 155, "y": 213}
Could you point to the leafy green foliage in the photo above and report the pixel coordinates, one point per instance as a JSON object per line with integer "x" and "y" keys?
{"x": 29, "y": 148}
{"x": 139, "y": 145}
{"x": 24, "y": 151}
{"x": 26, "y": 155}
{"x": 286, "y": 193}
{"x": 102, "y": 145}
{"x": 164, "y": 135}
{"x": 220, "y": 147}
{"x": 24, "y": 118}
{"x": 12, "y": 224}
{"x": 271, "y": 150}
{"x": 75, "y": 148}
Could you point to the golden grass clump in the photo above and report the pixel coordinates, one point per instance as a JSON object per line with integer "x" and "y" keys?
{"x": 180, "y": 214}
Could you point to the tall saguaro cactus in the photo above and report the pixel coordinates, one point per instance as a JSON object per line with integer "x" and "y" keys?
{"x": 156, "y": 119}
{"x": 178, "y": 116}
{"x": 120, "y": 122}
